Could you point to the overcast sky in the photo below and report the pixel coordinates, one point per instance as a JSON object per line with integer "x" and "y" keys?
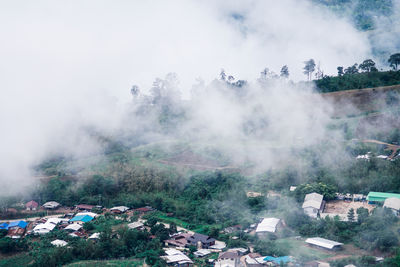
{"x": 66, "y": 64}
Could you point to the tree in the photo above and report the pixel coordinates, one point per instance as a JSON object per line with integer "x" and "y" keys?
{"x": 352, "y": 69}
{"x": 368, "y": 65}
{"x": 222, "y": 75}
{"x": 309, "y": 68}
{"x": 285, "y": 71}
{"x": 340, "y": 71}
{"x": 362, "y": 214}
{"x": 350, "y": 215}
{"x": 394, "y": 60}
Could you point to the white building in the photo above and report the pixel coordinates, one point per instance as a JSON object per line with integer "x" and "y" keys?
{"x": 324, "y": 243}
{"x": 174, "y": 257}
{"x": 228, "y": 259}
{"x": 268, "y": 225}
{"x": 393, "y": 203}
{"x": 313, "y": 204}
{"x": 43, "y": 228}
{"x": 51, "y": 205}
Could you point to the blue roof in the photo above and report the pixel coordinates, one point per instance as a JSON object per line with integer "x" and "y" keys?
{"x": 82, "y": 218}
{"x": 4, "y": 226}
{"x": 21, "y": 224}
{"x": 278, "y": 260}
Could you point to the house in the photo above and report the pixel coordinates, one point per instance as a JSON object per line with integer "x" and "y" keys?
{"x": 31, "y": 205}
{"x": 177, "y": 258}
{"x": 228, "y": 259}
{"x": 253, "y": 194}
{"x": 16, "y": 229}
{"x": 218, "y": 246}
{"x": 51, "y": 205}
{"x": 324, "y": 243}
{"x": 393, "y": 203}
{"x": 3, "y": 226}
{"x": 374, "y": 197}
{"x": 202, "y": 252}
{"x": 119, "y": 209}
{"x": 292, "y": 188}
{"x": 201, "y": 241}
{"x": 59, "y": 243}
{"x": 91, "y": 214}
{"x": 313, "y": 204}
{"x": 73, "y": 227}
{"x": 240, "y": 251}
{"x": 278, "y": 260}
{"x": 85, "y": 207}
{"x": 178, "y": 240}
{"x": 144, "y": 210}
{"x": 268, "y": 225}
{"x": 136, "y": 225}
{"x": 81, "y": 219}
{"x": 94, "y": 236}
{"x": 43, "y": 228}
{"x": 250, "y": 260}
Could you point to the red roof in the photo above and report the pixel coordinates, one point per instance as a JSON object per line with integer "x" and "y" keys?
{"x": 144, "y": 209}
{"x": 32, "y": 204}
{"x": 85, "y": 207}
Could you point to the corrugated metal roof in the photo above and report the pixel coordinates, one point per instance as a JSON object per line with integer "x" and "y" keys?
{"x": 313, "y": 200}
{"x": 392, "y": 203}
{"x": 268, "y": 225}
{"x": 81, "y": 218}
{"x": 322, "y": 242}
{"x": 380, "y": 196}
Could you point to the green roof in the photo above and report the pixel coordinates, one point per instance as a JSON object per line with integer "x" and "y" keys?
{"x": 380, "y": 196}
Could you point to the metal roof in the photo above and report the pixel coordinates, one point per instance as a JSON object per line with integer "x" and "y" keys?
{"x": 313, "y": 200}
{"x": 268, "y": 225}
{"x": 322, "y": 242}
{"x": 392, "y": 203}
{"x": 82, "y": 218}
{"x": 21, "y": 224}
{"x": 380, "y": 196}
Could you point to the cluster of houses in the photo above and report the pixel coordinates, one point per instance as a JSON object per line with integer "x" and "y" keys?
{"x": 71, "y": 222}
{"x": 177, "y": 248}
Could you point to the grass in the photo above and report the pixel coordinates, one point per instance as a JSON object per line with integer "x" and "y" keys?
{"x": 18, "y": 260}
{"x": 119, "y": 263}
{"x": 301, "y": 251}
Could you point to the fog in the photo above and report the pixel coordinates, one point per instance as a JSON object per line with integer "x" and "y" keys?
{"x": 66, "y": 67}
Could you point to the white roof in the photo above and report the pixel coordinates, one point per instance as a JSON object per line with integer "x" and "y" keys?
{"x": 322, "y": 242}
{"x": 94, "y": 236}
{"x": 250, "y": 260}
{"x": 120, "y": 208}
{"x": 54, "y": 220}
{"x": 176, "y": 256}
{"x": 59, "y": 243}
{"x": 202, "y": 252}
{"x": 74, "y": 227}
{"x": 241, "y": 250}
{"x": 218, "y": 245}
{"x": 268, "y": 225}
{"x": 292, "y": 188}
{"x": 91, "y": 214}
{"x": 392, "y": 203}
{"x": 135, "y": 225}
{"x": 43, "y": 228}
{"x": 51, "y": 204}
{"x": 313, "y": 200}
{"x": 382, "y": 157}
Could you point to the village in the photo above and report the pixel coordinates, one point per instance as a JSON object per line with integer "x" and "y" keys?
{"x": 184, "y": 247}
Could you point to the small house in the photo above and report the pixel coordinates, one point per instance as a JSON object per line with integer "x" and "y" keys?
{"x": 81, "y": 219}
{"x": 51, "y": 205}
{"x": 3, "y": 226}
{"x": 31, "y": 205}
{"x": 201, "y": 241}
{"x": 228, "y": 259}
{"x": 43, "y": 228}
{"x": 119, "y": 209}
{"x": 313, "y": 204}
{"x": 177, "y": 258}
{"x": 59, "y": 243}
{"x": 85, "y": 207}
{"x": 136, "y": 225}
{"x": 16, "y": 229}
{"x": 393, "y": 203}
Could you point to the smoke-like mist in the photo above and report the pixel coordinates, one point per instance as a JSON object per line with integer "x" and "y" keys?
{"x": 68, "y": 67}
